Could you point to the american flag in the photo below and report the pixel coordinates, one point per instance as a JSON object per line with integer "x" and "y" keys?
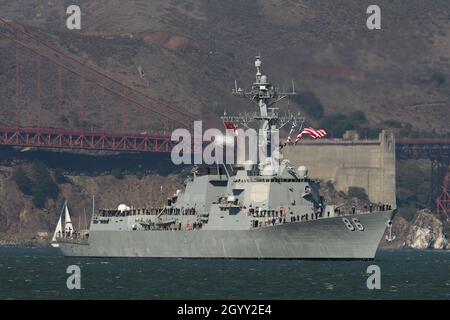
{"x": 316, "y": 134}
{"x": 230, "y": 126}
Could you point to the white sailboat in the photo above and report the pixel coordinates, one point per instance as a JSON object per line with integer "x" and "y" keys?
{"x": 58, "y": 233}
{"x": 68, "y": 227}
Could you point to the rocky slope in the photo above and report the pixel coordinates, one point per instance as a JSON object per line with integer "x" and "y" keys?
{"x": 425, "y": 231}
{"x": 21, "y": 222}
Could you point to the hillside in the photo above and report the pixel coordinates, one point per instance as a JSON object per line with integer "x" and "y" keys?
{"x": 323, "y": 45}
{"x": 21, "y": 221}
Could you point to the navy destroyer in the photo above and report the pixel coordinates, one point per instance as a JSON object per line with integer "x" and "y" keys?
{"x": 253, "y": 211}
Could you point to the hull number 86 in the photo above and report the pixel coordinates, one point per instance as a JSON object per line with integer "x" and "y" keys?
{"x": 353, "y": 225}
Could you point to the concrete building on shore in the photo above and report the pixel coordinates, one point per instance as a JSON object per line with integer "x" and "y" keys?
{"x": 351, "y": 162}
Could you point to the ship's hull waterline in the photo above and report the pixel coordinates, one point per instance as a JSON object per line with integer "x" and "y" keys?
{"x": 327, "y": 238}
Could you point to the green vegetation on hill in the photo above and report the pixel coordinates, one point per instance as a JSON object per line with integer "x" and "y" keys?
{"x": 37, "y": 181}
{"x": 392, "y": 124}
{"x": 44, "y": 186}
{"x": 337, "y": 124}
{"x": 413, "y": 187}
{"x": 24, "y": 183}
{"x": 58, "y": 176}
{"x": 407, "y": 131}
{"x": 118, "y": 174}
{"x": 310, "y": 104}
{"x": 437, "y": 79}
{"x": 358, "y": 192}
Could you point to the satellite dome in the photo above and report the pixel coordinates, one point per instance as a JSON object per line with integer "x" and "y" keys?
{"x": 123, "y": 207}
{"x": 264, "y": 79}
{"x": 302, "y": 171}
{"x": 248, "y": 165}
{"x": 268, "y": 170}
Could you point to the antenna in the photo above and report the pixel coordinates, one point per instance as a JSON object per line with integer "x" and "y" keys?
{"x": 79, "y": 221}
{"x": 293, "y": 86}
{"x": 225, "y": 167}
{"x": 85, "y": 222}
{"x": 93, "y": 204}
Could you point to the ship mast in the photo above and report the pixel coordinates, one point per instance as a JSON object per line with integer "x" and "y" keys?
{"x": 265, "y": 96}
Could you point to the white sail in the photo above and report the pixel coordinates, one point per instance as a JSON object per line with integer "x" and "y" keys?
{"x": 58, "y": 230}
{"x": 68, "y": 225}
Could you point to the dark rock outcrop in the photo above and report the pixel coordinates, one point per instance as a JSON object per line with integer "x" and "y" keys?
{"x": 425, "y": 232}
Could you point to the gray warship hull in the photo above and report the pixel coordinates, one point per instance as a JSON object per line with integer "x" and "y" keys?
{"x": 317, "y": 239}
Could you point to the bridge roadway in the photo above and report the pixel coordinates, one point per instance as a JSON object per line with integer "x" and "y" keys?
{"x": 85, "y": 140}
{"x": 50, "y": 138}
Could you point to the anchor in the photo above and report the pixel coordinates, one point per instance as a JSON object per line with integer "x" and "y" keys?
{"x": 390, "y": 237}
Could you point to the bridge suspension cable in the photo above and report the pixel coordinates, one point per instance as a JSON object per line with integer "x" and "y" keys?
{"x": 99, "y": 72}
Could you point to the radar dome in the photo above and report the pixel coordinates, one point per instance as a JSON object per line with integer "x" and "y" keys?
{"x": 123, "y": 207}
{"x": 264, "y": 79}
{"x": 248, "y": 165}
{"x": 302, "y": 171}
{"x": 268, "y": 170}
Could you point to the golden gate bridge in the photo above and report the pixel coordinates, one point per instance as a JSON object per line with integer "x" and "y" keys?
{"x": 90, "y": 80}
